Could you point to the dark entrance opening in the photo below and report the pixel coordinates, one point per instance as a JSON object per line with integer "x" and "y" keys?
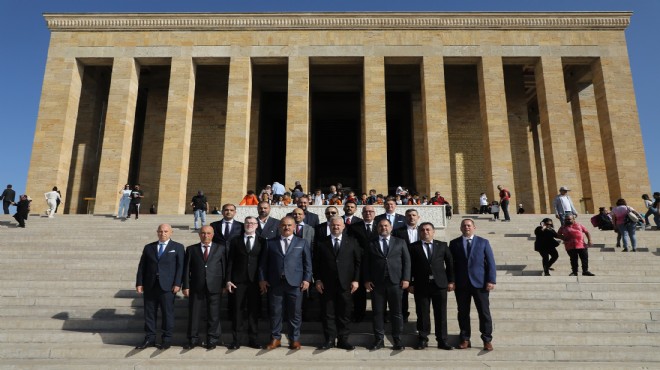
{"x": 400, "y": 163}
{"x": 335, "y": 144}
{"x": 272, "y": 138}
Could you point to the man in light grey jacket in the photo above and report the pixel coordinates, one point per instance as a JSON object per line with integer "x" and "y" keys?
{"x": 564, "y": 205}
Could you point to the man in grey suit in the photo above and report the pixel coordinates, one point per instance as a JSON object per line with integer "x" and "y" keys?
{"x": 268, "y": 226}
{"x": 285, "y": 272}
{"x": 302, "y": 230}
{"x": 386, "y": 274}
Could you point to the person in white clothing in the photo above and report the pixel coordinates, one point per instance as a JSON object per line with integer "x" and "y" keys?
{"x": 51, "y": 199}
{"x": 124, "y": 202}
{"x": 483, "y": 203}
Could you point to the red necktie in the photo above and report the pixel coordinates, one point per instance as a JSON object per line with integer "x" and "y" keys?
{"x": 299, "y": 232}
{"x": 348, "y": 220}
{"x": 206, "y": 252}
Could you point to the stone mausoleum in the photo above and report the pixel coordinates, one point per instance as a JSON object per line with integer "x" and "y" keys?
{"x": 449, "y": 102}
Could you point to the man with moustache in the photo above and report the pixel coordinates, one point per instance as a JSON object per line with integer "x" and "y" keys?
{"x": 311, "y": 219}
{"x": 350, "y": 207}
{"x": 268, "y": 226}
{"x": 410, "y": 234}
{"x": 203, "y": 281}
{"x": 364, "y": 231}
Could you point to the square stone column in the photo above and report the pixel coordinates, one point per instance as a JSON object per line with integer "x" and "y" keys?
{"x": 558, "y": 134}
{"x": 237, "y": 131}
{"x": 176, "y": 144}
{"x": 495, "y": 127}
{"x": 374, "y": 126}
{"x": 297, "y": 124}
{"x": 619, "y": 128}
{"x": 590, "y": 149}
{"x": 56, "y": 127}
{"x": 117, "y": 134}
{"x": 435, "y": 131}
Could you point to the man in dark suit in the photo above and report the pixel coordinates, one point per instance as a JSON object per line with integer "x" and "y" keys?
{"x": 350, "y": 218}
{"x": 432, "y": 277}
{"x": 336, "y": 276}
{"x": 203, "y": 281}
{"x": 410, "y": 234}
{"x": 323, "y": 229}
{"x": 285, "y": 272}
{"x": 159, "y": 277}
{"x": 475, "y": 272}
{"x": 364, "y": 231}
{"x": 7, "y": 197}
{"x": 311, "y": 219}
{"x": 268, "y": 226}
{"x": 386, "y": 274}
{"x": 396, "y": 220}
{"x": 243, "y": 282}
{"x": 226, "y": 229}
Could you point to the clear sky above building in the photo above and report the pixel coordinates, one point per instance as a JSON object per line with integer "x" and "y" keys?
{"x": 24, "y": 45}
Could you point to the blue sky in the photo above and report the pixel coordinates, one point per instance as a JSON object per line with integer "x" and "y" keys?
{"x": 24, "y": 44}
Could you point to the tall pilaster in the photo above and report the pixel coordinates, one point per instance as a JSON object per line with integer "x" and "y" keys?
{"x": 558, "y": 135}
{"x": 297, "y": 123}
{"x": 56, "y": 126}
{"x": 117, "y": 134}
{"x": 619, "y": 128}
{"x": 237, "y": 130}
{"x": 495, "y": 127}
{"x": 374, "y": 126}
{"x": 436, "y": 143}
{"x": 176, "y": 145}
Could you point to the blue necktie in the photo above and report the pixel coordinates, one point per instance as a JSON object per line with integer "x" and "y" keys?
{"x": 386, "y": 247}
{"x": 161, "y": 249}
{"x": 469, "y": 247}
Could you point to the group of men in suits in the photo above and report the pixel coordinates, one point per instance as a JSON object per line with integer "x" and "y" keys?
{"x": 341, "y": 259}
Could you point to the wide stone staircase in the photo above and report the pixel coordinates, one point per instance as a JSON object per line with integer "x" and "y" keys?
{"x": 68, "y": 301}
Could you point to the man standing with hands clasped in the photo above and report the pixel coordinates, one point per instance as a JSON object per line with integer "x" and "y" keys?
{"x": 474, "y": 269}
{"x": 159, "y": 276}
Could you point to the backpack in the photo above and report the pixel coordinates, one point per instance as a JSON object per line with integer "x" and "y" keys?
{"x": 594, "y": 221}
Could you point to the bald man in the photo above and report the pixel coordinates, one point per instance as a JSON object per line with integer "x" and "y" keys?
{"x": 159, "y": 278}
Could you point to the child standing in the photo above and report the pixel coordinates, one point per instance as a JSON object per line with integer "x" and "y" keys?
{"x": 495, "y": 209}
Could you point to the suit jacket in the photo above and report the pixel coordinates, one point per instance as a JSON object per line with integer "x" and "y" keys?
{"x": 396, "y": 263}
{"x": 270, "y": 230}
{"x": 218, "y": 228}
{"x": 321, "y": 232}
{"x": 199, "y": 275}
{"x": 441, "y": 266}
{"x": 307, "y": 233}
{"x": 337, "y": 271}
{"x": 8, "y": 195}
{"x": 243, "y": 266}
{"x": 311, "y": 219}
{"x": 358, "y": 230}
{"x": 477, "y": 269}
{"x": 399, "y": 220}
{"x": 295, "y": 265}
{"x": 354, "y": 219}
{"x": 402, "y": 233}
{"x": 168, "y": 269}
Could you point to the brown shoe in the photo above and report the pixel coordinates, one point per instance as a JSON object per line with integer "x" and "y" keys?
{"x": 464, "y": 344}
{"x": 488, "y": 346}
{"x": 275, "y": 343}
{"x": 295, "y": 345}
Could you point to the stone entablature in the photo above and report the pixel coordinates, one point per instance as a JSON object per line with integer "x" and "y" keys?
{"x": 338, "y": 21}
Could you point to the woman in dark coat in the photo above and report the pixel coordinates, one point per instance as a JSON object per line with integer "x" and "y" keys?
{"x": 22, "y": 210}
{"x": 546, "y": 244}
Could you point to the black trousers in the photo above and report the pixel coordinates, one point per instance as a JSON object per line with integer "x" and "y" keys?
{"x": 155, "y": 298}
{"x": 423, "y": 300}
{"x": 583, "y": 254}
{"x": 359, "y": 303}
{"x": 548, "y": 257}
{"x": 390, "y": 293}
{"x": 245, "y": 299}
{"x": 505, "y": 208}
{"x": 336, "y": 308}
{"x": 198, "y": 305}
{"x": 134, "y": 208}
{"x": 464, "y": 296}
{"x": 5, "y": 206}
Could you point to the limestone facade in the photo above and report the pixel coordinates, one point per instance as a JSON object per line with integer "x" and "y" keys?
{"x": 451, "y": 102}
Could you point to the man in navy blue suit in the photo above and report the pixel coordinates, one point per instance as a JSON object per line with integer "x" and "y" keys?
{"x": 159, "y": 277}
{"x": 475, "y": 273}
{"x": 396, "y": 220}
{"x": 285, "y": 272}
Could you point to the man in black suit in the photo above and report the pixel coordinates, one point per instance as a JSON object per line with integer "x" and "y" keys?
{"x": 396, "y": 220}
{"x": 268, "y": 226}
{"x": 432, "y": 278}
{"x": 410, "y": 234}
{"x": 243, "y": 282}
{"x": 364, "y": 231}
{"x": 386, "y": 274}
{"x": 8, "y": 196}
{"x": 311, "y": 219}
{"x": 350, "y": 218}
{"x": 203, "y": 281}
{"x": 285, "y": 272}
{"x": 226, "y": 229}
{"x": 336, "y": 276}
{"x": 323, "y": 229}
{"x": 159, "y": 278}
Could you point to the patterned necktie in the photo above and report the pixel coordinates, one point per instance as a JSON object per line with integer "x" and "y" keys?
{"x": 348, "y": 220}
{"x": 248, "y": 244}
{"x": 299, "y": 230}
{"x": 206, "y": 252}
{"x": 386, "y": 247}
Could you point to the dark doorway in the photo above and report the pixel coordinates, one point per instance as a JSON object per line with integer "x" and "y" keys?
{"x": 400, "y": 164}
{"x": 335, "y": 144}
{"x": 272, "y": 138}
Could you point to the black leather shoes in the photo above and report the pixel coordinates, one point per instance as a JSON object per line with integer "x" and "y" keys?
{"x": 377, "y": 345}
{"x": 191, "y": 344}
{"x": 146, "y": 344}
{"x": 398, "y": 346}
{"x": 255, "y": 345}
{"x": 421, "y": 344}
{"x": 211, "y": 345}
{"x": 445, "y": 346}
{"x": 327, "y": 345}
{"x": 164, "y": 345}
{"x": 345, "y": 345}
{"x": 234, "y": 345}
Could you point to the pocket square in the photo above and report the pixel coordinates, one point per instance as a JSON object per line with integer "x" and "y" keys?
{"x": 297, "y": 247}
{"x": 172, "y": 251}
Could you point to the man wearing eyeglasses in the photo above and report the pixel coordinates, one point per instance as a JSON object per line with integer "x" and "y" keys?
{"x": 323, "y": 229}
